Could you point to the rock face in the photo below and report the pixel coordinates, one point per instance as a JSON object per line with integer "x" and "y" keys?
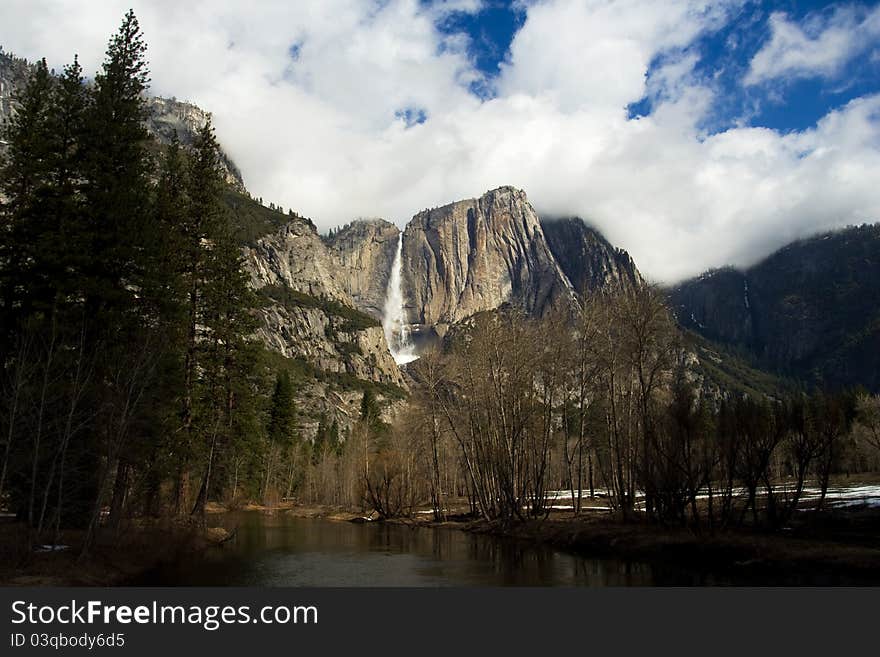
{"x": 810, "y": 310}
{"x": 588, "y": 260}
{"x": 13, "y": 75}
{"x": 310, "y": 315}
{"x": 328, "y": 344}
{"x": 475, "y": 255}
{"x": 362, "y": 253}
{"x": 296, "y": 257}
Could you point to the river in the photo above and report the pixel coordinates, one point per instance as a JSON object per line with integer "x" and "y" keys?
{"x": 283, "y": 550}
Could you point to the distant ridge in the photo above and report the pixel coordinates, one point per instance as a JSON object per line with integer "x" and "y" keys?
{"x": 810, "y": 310}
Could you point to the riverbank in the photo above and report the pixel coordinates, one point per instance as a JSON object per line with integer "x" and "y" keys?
{"x": 841, "y": 548}
{"x": 115, "y": 558}
{"x": 297, "y": 510}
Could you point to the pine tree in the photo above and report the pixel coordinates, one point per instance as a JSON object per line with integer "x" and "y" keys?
{"x": 26, "y": 181}
{"x": 370, "y": 409}
{"x": 65, "y": 247}
{"x": 41, "y": 278}
{"x": 120, "y": 240}
{"x": 137, "y": 360}
{"x": 168, "y": 287}
{"x": 116, "y": 167}
{"x": 199, "y": 228}
{"x": 280, "y": 435}
{"x": 165, "y": 291}
{"x": 221, "y": 298}
{"x": 282, "y": 414}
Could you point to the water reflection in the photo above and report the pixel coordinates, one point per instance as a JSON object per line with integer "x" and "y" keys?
{"x": 281, "y": 550}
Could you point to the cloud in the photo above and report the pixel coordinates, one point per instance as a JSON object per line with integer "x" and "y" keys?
{"x": 819, "y": 47}
{"x": 597, "y": 53}
{"x": 373, "y": 117}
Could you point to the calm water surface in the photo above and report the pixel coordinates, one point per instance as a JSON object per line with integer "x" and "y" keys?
{"x": 282, "y": 550}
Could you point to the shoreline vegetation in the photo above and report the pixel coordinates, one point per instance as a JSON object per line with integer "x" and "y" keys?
{"x": 113, "y": 560}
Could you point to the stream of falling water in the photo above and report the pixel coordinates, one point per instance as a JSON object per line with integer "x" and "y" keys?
{"x": 394, "y": 321}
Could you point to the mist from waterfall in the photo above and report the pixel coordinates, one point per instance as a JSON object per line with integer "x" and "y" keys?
{"x": 394, "y": 321}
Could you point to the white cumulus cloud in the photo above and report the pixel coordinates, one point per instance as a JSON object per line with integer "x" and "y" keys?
{"x": 818, "y": 47}
{"x": 309, "y": 98}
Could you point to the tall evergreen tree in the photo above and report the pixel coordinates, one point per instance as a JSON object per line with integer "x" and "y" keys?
{"x": 282, "y": 426}
{"x": 25, "y": 180}
{"x": 117, "y": 188}
{"x": 222, "y": 302}
{"x": 199, "y": 225}
{"x": 165, "y": 286}
{"x": 202, "y": 215}
{"x": 65, "y": 247}
{"x": 282, "y": 415}
{"x": 120, "y": 238}
{"x": 136, "y": 362}
{"x": 228, "y": 363}
{"x": 165, "y": 291}
{"x": 41, "y": 300}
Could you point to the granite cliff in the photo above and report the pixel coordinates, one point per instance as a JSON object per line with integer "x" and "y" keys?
{"x": 167, "y": 116}
{"x": 362, "y": 253}
{"x": 309, "y": 314}
{"x": 475, "y": 255}
{"x": 588, "y": 260}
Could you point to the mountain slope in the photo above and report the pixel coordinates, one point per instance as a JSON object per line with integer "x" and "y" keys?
{"x": 811, "y": 310}
{"x": 309, "y": 323}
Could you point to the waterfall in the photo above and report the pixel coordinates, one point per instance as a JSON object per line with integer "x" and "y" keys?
{"x": 394, "y": 321}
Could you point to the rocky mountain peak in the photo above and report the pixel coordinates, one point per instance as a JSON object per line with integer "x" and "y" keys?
{"x": 475, "y": 255}
{"x": 505, "y": 197}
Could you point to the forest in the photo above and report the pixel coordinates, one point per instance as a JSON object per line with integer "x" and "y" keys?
{"x": 517, "y": 413}
{"x": 131, "y": 381}
{"x": 133, "y": 385}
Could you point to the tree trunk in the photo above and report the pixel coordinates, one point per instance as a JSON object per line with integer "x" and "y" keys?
{"x": 120, "y": 492}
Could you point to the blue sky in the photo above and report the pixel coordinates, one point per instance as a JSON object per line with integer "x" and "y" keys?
{"x": 788, "y": 104}
{"x": 693, "y": 133}
{"x": 724, "y": 57}
{"x": 490, "y": 31}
